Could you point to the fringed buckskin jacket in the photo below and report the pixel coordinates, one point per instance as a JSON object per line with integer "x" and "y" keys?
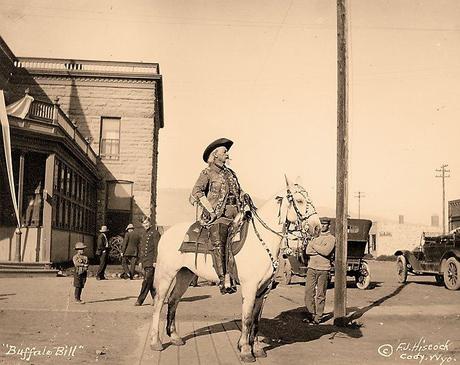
{"x": 217, "y": 184}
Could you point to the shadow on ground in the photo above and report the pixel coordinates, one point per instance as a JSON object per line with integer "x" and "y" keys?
{"x": 4, "y": 296}
{"x": 350, "y": 284}
{"x": 288, "y": 327}
{"x": 111, "y": 300}
{"x": 359, "y": 312}
{"x": 195, "y": 298}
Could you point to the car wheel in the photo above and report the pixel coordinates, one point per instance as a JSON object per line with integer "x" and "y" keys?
{"x": 401, "y": 269}
{"x": 451, "y": 274}
{"x": 439, "y": 279}
{"x": 363, "y": 279}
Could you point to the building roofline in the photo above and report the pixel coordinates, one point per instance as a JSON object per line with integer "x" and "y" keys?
{"x": 7, "y": 51}
{"x": 74, "y": 67}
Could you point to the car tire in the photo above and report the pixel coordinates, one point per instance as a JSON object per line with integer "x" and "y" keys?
{"x": 439, "y": 279}
{"x": 401, "y": 269}
{"x": 363, "y": 279}
{"x": 451, "y": 274}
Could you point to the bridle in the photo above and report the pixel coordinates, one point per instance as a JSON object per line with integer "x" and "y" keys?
{"x": 299, "y": 232}
{"x": 290, "y": 197}
{"x": 284, "y": 246}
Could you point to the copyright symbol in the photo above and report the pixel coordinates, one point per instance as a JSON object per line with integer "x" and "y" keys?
{"x": 385, "y": 350}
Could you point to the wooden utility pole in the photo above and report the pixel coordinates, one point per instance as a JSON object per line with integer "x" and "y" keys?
{"x": 443, "y": 175}
{"x": 340, "y": 280}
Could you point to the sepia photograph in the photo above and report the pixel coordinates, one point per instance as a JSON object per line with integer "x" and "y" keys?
{"x": 221, "y": 182}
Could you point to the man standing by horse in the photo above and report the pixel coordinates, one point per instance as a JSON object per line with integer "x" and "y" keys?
{"x": 319, "y": 251}
{"x": 218, "y": 192}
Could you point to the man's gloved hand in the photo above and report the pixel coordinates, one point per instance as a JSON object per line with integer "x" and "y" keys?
{"x": 212, "y": 217}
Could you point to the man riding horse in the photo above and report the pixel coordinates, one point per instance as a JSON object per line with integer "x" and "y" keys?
{"x": 218, "y": 192}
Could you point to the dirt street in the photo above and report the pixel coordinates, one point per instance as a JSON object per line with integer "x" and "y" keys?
{"x": 392, "y": 324}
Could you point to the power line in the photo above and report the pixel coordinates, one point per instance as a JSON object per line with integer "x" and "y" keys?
{"x": 359, "y": 195}
{"x": 443, "y": 175}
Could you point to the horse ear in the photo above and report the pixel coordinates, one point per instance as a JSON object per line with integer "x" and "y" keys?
{"x": 288, "y": 183}
{"x": 298, "y": 181}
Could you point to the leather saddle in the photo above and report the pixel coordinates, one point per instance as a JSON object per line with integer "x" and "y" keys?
{"x": 197, "y": 240}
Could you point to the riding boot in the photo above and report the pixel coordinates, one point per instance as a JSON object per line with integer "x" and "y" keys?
{"x": 220, "y": 262}
{"x": 219, "y": 234}
{"x": 229, "y": 285}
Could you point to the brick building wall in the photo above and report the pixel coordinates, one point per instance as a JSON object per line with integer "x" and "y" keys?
{"x": 86, "y": 100}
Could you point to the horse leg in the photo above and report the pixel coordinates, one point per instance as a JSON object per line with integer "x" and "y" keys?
{"x": 162, "y": 283}
{"x": 183, "y": 279}
{"x": 246, "y": 323}
{"x": 257, "y": 348}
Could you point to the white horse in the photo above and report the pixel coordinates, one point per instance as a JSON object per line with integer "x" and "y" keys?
{"x": 256, "y": 264}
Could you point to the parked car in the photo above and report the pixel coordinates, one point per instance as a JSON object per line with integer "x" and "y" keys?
{"x": 357, "y": 267}
{"x": 437, "y": 255}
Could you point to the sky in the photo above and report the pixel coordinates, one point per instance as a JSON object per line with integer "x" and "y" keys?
{"x": 263, "y": 73}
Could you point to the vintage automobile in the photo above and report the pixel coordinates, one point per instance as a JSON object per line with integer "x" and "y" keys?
{"x": 357, "y": 267}
{"x": 437, "y": 255}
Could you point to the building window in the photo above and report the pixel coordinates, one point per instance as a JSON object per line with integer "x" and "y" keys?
{"x": 109, "y": 145}
{"x": 73, "y": 209}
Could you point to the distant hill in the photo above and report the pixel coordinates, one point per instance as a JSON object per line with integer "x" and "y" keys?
{"x": 173, "y": 207}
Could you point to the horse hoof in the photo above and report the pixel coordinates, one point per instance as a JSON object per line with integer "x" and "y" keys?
{"x": 177, "y": 341}
{"x": 260, "y": 353}
{"x": 247, "y": 358}
{"x": 157, "y": 346}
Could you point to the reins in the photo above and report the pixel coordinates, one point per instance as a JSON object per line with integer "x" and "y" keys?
{"x": 283, "y": 235}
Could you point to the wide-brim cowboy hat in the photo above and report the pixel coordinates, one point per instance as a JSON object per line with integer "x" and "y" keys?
{"x": 104, "y": 229}
{"x": 80, "y": 246}
{"x": 130, "y": 226}
{"x": 221, "y": 142}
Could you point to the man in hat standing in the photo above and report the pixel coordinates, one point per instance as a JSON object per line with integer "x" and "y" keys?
{"x": 148, "y": 250}
{"x": 102, "y": 251}
{"x": 218, "y": 192}
{"x": 80, "y": 262}
{"x": 319, "y": 251}
{"x": 129, "y": 252}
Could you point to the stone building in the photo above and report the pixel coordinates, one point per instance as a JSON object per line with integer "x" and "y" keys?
{"x": 84, "y": 154}
{"x": 385, "y": 238}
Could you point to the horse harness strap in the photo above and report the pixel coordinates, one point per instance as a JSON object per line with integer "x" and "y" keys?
{"x": 275, "y": 263}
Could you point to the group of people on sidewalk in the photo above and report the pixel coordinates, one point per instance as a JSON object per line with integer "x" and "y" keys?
{"x": 136, "y": 247}
{"x": 218, "y": 193}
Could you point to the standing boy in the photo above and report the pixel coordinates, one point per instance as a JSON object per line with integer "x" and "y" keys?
{"x": 80, "y": 262}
